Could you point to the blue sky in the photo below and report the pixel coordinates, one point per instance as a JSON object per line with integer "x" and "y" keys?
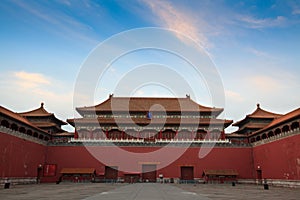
{"x": 255, "y": 46}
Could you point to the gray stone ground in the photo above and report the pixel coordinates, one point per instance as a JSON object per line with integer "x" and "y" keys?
{"x": 146, "y": 191}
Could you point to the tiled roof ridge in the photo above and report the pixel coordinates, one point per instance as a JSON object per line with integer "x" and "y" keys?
{"x": 40, "y": 110}
{"x": 187, "y": 98}
{"x": 18, "y": 117}
{"x": 255, "y": 114}
{"x": 264, "y": 112}
{"x": 14, "y": 115}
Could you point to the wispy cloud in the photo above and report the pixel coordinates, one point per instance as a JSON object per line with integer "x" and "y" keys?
{"x": 64, "y": 2}
{"x": 296, "y": 11}
{"x": 33, "y": 84}
{"x": 30, "y": 80}
{"x": 259, "y": 53}
{"x": 295, "y": 6}
{"x": 265, "y": 84}
{"x": 64, "y": 24}
{"x": 233, "y": 96}
{"x": 139, "y": 93}
{"x": 173, "y": 18}
{"x": 259, "y": 23}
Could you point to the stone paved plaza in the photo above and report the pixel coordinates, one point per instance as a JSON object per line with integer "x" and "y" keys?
{"x": 146, "y": 191}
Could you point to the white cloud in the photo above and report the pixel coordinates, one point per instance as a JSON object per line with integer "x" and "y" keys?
{"x": 112, "y": 69}
{"x": 296, "y": 11}
{"x": 295, "y": 7}
{"x": 274, "y": 88}
{"x": 265, "y": 84}
{"x": 139, "y": 93}
{"x": 22, "y": 91}
{"x": 256, "y": 23}
{"x": 173, "y": 18}
{"x": 30, "y": 80}
{"x": 233, "y": 96}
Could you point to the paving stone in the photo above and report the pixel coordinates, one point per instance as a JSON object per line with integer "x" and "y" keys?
{"x": 146, "y": 191}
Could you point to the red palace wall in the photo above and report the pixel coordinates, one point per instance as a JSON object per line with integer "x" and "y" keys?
{"x": 70, "y": 157}
{"x": 19, "y": 157}
{"x": 279, "y": 159}
{"x": 239, "y": 159}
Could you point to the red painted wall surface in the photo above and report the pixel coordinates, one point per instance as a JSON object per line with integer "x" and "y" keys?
{"x": 279, "y": 159}
{"x": 71, "y": 157}
{"x": 18, "y": 157}
{"x": 239, "y": 159}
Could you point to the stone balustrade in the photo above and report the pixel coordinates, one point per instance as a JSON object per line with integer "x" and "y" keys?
{"x": 22, "y": 135}
{"x": 277, "y": 137}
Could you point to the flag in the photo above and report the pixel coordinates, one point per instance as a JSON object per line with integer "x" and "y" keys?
{"x": 149, "y": 115}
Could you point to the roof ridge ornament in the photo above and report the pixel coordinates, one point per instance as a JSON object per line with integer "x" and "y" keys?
{"x": 42, "y": 104}
{"x": 258, "y": 105}
{"x": 188, "y": 96}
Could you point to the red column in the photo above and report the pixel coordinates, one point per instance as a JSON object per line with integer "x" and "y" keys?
{"x": 91, "y": 136}
{"x": 208, "y": 135}
{"x": 222, "y": 135}
{"x": 106, "y": 133}
{"x": 160, "y": 134}
{"x": 75, "y": 134}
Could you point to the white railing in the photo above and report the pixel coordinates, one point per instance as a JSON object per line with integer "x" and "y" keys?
{"x": 107, "y": 140}
{"x": 18, "y": 180}
{"x": 143, "y": 140}
{"x": 191, "y": 141}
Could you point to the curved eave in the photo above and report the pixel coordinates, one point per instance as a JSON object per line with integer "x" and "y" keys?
{"x": 36, "y": 115}
{"x": 46, "y": 115}
{"x": 45, "y": 125}
{"x": 227, "y": 123}
{"x": 87, "y": 109}
{"x": 83, "y": 110}
{"x": 247, "y": 118}
{"x": 64, "y": 134}
{"x": 235, "y": 135}
{"x": 216, "y": 111}
{"x": 252, "y": 126}
{"x": 71, "y": 122}
{"x": 60, "y": 121}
